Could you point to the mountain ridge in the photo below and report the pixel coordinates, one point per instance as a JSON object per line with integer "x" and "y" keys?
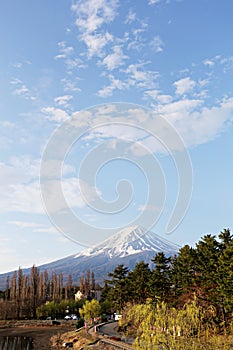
{"x": 127, "y": 247}
{"x": 134, "y": 237}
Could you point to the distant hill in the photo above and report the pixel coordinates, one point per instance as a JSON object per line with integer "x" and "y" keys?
{"x": 129, "y": 246}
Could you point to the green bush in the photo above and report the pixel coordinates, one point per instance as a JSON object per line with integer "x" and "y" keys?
{"x": 80, "y": 323}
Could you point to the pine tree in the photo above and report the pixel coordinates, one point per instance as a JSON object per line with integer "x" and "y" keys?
{"x": 118, "y": 294}
{"x": 207, "y": 252}
{"x": 184, "y": 272}
{"x": 160, "y": 284}
{"x": 139, "y": 280}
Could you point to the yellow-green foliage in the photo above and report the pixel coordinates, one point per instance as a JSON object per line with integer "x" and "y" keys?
{"x": 90, "y": 310}
{"x": 160, "y": 327}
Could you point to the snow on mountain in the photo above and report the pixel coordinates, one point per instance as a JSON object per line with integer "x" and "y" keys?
{"x": 127, "y": 247}
{"x": 131, "y": 240}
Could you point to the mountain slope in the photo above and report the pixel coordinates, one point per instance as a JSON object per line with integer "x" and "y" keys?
{"x": 126, "y": 247}
{"x": 130, "y": 241}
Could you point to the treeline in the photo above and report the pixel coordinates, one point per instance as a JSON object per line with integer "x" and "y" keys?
{"x": 205, "y": 272}
{"x": 25, "y": 293}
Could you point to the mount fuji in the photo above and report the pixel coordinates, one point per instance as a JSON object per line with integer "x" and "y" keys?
{"x": 127, "y": 247}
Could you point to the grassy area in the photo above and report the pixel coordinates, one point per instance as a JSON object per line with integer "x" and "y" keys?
{"x": 79, "y": 339}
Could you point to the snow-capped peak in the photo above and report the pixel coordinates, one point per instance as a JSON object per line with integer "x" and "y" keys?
{"x": 129, "y": 241}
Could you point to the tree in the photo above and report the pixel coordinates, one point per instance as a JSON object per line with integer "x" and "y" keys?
{"x": 68, "y": 288}
{"x": 225, "y": 238}
{"x": 19, "y": 292}
{"x": 13, "y": 287}
{"x": 92, "y": 286}
{"x": 90, "y": 310}
{"x": 81, "y": 285}
{"x": 160, "y": 283}
{"x": 34, "y": 282}
{"x": 224, "y": 275}
{"x": 139, "y": 282}
{"x": 119, "y": 293}
{"x": 7, "y": 291}
{"x": 207, "y": 261}
{"x": 183, "y": 272}
{"x": 87, "y": 283}
{"x": 158, "y": 326}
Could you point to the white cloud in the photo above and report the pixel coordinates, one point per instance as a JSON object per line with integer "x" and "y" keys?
{"x": 164, "y": 99}
{"x": 157, "y": 44}
{"x": 18, "y": 170}
{"x": 177, "y": 108}
{"x": 70, "y": 85}
{"x": 151, "y": 93}
{"x": 196, "y": 123}
{"x": 64, "y": 50}
{"x": 22, "y": 198}
{"x": 227, "y": 63}
{"x": 131, "y": 17}
{"x": 149, "y": 207}
{"x": 161, "y": 98}
{"x": 75, "y": 63}
{"x": 115, "y": 59}
{"x": 209, "y": 62}
{"x": 184, "y": 85}
{"x": 55, "y": 114}
{"x": 140, "y": 77}
{"x": 193, "y": 121}
{"x": 7, "y": 124}
{"x": 21, "y": 89}
{"x": 50, "y": 229}
{"x": 96, "y": 42}
{"x": 63, "y": 100}
{"x": 25, "y": 224}
{"x": 16, "y": 81}
{"x": 153, "y": 2}
{"x": 19, "y": 65}
{"x": 91, "y": 16}
{"x": 21, "y": 191}
{"x": 116, "y": 84}
{"x": 24, "y": 92}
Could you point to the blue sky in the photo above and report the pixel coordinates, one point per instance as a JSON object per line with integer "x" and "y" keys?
{"x": 174, "y": 58}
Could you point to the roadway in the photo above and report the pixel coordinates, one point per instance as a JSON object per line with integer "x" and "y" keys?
{"x": 110, "y": 330}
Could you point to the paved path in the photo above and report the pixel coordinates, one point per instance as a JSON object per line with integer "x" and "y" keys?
{"x": 110, "y": 329}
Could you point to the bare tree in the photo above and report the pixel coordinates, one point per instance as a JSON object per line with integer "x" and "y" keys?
{"x": 34, "y": 282}
{"x": 68, "y": 288}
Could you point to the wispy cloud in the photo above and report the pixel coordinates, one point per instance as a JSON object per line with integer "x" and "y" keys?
{"x": 91, "y": 15}
{"x": 63, "y": 100}
{"x": 131, "y": 17}
{"x": 157, "y": 44}
{"x": 115, "y": 59}
{"x": 153, "y": 2}
{"x": 21, "y": 89}
{"x": 55, "y": 114}
{"x": 96, "y": 42}
{"x": 115, "y": 84}
{"x": 209, "y": 62}
{"x": 25, "y": 224}
{"x": 64, "y": 50}
{"x": 184, "y": 85}
{"x": 140, "y": 77}
{"x": 71, "y": 85}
